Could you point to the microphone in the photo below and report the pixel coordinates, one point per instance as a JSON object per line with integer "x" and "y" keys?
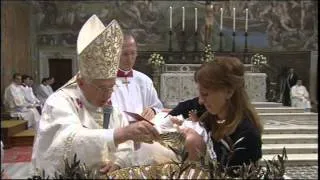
{"x": 107, "y": 110}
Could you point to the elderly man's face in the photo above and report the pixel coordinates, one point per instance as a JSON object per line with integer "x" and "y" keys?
{"x": 128, "y": 54}
{"x": 97, "y": 91}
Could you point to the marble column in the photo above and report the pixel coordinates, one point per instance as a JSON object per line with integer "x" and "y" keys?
{"x": 313, "y": 86}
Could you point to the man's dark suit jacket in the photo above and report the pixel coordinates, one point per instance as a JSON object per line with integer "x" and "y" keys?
{"x": 186, "y": 106}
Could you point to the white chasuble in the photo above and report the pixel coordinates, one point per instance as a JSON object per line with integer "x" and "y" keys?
{"x": 70, "y": 124}
{"x": 135, "y": 93}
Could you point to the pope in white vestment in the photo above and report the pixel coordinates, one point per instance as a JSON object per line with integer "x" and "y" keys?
{"x": 300, "y": 96}
{"x": 79, "y": 119}
{"x": 17, "y": 106}
{"x": 70, "y": 124}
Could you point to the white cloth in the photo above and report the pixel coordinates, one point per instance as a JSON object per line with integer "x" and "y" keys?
{"x": 70, "y": 124}
{"x": 29, "y": 95}
{"x": 17, "y": 105}
{"x": 43, "y": 92}
{"x": 300, "y": 97}
{"x": 137, "y": 94}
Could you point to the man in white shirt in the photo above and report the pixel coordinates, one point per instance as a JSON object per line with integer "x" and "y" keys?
{"x": 78, "y": 118}
{"x": 16, "y": 104}
{"x": 28, "y": 92}
{"x": 134, "y": 90}
{"x": 300, "y": 96}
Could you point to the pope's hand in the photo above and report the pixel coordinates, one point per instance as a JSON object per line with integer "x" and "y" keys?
{"x": 109, "y": 167}
{"x": 141, "y": 131}
{"x": 148, "y": 113}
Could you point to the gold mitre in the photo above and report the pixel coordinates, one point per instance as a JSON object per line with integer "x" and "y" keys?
{"x": 99, "y": 49}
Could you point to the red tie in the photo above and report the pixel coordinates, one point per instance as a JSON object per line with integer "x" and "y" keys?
{"x": 124, "y": 74}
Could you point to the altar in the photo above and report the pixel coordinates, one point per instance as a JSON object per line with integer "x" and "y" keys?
{"x": 177, "y": 84}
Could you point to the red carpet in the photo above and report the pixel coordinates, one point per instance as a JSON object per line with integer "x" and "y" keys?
{"x": 17, "y": 154}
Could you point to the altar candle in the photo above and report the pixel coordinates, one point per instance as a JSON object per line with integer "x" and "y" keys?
{"x": 195, "y": 19}
{"x": 246, "y": 27}
{"x": 234, "y": 19}
{"x": 182, "y": 18}
{"x": 221, "y": 18}
{"x": 170, "y": 23}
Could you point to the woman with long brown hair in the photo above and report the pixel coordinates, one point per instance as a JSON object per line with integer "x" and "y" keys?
{"x": 231, "y": 121}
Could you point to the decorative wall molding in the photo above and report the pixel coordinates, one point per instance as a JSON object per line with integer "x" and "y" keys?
{"x": 45, "y": 55}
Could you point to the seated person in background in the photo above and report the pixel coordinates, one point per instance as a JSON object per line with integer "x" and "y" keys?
{"x": 16, "y": 104}
{"x": 230, "y": 117}
{"x": 43, "y": 91}
{"x": 50, "y": 81}
{"x": 28, "y": 92}
{"x": 78, "y": 117}
{"x": 300, "y": 96}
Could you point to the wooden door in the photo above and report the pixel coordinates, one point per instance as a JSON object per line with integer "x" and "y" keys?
{"x": 61, "y": 70}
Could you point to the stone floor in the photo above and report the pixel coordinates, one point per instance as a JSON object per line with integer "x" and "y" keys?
{"x": 302, "y": 172}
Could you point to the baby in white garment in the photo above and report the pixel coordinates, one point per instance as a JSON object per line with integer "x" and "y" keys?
{"x": 167, "y": 123}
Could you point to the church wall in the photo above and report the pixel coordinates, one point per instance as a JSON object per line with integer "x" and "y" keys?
{"x": 15, "y": 34}
{"x": 276, "y": 26}
{"x": 285, "y": 31}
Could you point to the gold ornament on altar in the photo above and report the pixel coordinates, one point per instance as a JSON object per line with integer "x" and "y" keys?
{"x": 156, "y": 60}
{"x": 208, "y": 54}
{"x": 257, "y": 61}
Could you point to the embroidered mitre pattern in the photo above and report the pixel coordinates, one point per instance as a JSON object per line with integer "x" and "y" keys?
{"x": 100, "y": 59}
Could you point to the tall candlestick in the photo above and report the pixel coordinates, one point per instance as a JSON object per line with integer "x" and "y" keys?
{"x": 195, "y": 19}
{"x": 246, "y": 27}
{"x": 221, "y": 18}
{"x": 170, "y": 23}
{"x": 182, "y": 18}
{"x": 234, "y": 19}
